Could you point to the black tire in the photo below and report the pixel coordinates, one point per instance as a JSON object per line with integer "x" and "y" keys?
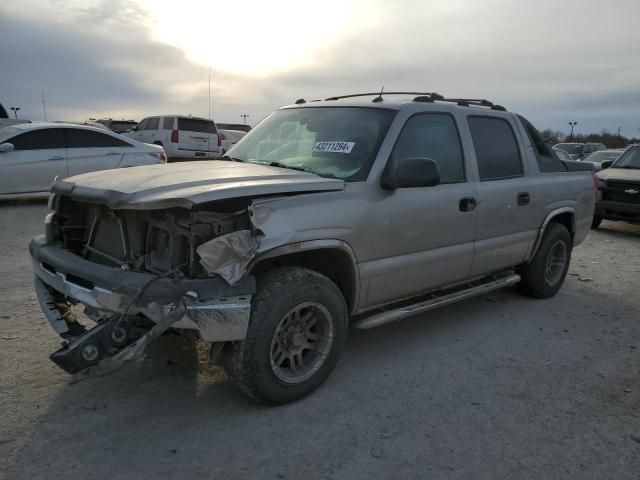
{"x": 595, "y": 223}
{"x": 543, "y": 276}
{"x": 158, "y": 143}
{"x": 250, "y": 364}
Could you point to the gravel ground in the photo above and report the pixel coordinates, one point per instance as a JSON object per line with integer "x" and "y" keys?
{"x": 496, "y": 387}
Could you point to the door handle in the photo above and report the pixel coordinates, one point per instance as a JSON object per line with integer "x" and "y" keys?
{"x": 56, "y": 158}
{"x": 524, "y": 198}
{"x": 467, "y": 204}
{"x": 113, "y": 153}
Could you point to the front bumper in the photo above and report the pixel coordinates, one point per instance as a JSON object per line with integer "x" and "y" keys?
{"x": 628, "y": 212}
{"x": 216, "y": 311}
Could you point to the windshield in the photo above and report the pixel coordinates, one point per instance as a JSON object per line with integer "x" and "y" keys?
{"x": 120, "y": 126}
{"x": 338, "y": 142}
{"x": 571, "y": 148}
{"x": 196, "y": 125}
{"x": 629, "y": 159}
{"x": 601, "y": 156}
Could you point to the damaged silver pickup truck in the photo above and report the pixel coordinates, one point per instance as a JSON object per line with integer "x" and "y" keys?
{"x": 354, "y": 210}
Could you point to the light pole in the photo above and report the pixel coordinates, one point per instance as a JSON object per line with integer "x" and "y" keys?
{"x": 573, "y": 124}
{"x": 244, "y": 118}
{"x": 15, "y": 111}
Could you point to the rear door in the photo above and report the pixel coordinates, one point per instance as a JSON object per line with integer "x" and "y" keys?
{"x": 197, "y": 135}
{"x": 38, "y": 157}
{"x": 506, "y": 224}
{"x": 89, "y": 150}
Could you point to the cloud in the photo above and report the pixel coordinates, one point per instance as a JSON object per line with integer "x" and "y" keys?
{"x": 551, "y": 61}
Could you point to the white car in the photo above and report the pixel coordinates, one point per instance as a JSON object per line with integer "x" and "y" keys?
{"x": 33, "y": 154}
{"x": 230, "y": 138}
{"x": 180, "y": 136}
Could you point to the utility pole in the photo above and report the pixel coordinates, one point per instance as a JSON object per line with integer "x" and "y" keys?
{"x": 44, "y": 107}
{"x": 619, "y": 128}
{"x": 244, "y": 118}
{"x": 573, "y": 124}
{"x": 15, "y": 111}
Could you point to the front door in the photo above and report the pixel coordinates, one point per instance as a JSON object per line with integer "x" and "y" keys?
{"x": 423, "y": 238}
{"x": 38, "y": 157}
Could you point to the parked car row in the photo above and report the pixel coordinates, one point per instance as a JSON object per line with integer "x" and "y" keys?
{"x": 578, "y": 151}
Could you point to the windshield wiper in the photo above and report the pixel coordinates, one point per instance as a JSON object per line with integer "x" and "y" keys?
{"x": 291, "y": 167}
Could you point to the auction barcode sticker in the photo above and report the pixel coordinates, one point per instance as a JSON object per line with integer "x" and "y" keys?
{"x": 334, "y": 147}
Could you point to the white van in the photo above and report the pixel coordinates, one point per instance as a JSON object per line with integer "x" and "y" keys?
{"x": 180, "y": 136}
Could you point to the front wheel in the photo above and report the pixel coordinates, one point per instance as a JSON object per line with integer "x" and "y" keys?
{"x": 545, "y": 274}
{"x": 296, "y": 334}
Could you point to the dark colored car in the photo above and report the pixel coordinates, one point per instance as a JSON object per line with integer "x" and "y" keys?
{"x": 234, "y": 126}
{"x": 620, "y": 187}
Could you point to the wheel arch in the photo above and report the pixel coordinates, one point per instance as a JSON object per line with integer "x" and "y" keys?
{"x": 565, "y": 216}
{"x": 333, "y": 258}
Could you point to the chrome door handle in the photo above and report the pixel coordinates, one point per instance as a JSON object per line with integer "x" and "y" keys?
{"x": 56, "y": 158}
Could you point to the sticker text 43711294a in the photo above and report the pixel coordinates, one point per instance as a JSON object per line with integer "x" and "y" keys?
{"x": 334, "y": 147}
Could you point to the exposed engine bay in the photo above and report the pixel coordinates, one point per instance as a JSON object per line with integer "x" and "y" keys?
{"x": 177, "y": 269}
{"x": 153, "y": 241}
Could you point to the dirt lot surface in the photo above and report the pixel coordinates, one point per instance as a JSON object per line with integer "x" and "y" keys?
{"x": 500, "y": 387}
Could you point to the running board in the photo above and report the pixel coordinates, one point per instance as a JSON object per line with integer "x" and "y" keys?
{"x": 388, "y": 316}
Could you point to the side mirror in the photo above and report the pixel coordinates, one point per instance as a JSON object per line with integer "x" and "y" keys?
{"x": 606, "y": 164}
{"x": 411, "y": 173}
{"x": 6, "y": 147}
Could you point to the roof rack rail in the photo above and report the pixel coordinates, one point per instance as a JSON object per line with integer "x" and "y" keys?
{"x": 378, "y": 94}
{"x": 427, "y": 97}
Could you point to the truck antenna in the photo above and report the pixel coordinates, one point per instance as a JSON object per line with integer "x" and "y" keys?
{"x": 379, "y": 97}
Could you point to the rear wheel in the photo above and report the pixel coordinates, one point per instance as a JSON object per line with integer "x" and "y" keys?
{"x": 296, "y": 334}
{"x": 595, "y": 223}
{"x": 545, "y": 274}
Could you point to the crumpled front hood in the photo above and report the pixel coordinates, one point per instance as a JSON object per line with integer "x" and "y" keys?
{"x": 187, "y": 184}
{"x": 621, "y": 174}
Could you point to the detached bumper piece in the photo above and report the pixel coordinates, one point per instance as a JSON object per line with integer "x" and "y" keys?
{"x": 129, "y": 308}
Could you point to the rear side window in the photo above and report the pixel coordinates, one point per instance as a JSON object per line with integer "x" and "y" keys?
{"x": 547, "y": 161}
{"x": 167, "y": 123}
{"x": 77, "y": 138}
{"x": 434, "y": 136}
{"x": 42, "y": 139}
{"x": 196, "y": 125}
{"x": 154, "y": 124}
{"x": 496, "y": 148}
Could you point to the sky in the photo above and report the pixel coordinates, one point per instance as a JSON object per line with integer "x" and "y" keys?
{"x": 553, "y": 61}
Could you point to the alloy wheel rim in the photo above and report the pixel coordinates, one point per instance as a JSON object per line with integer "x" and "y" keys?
{"x": 301, "y": 342}
{"x": 556, "y": 263}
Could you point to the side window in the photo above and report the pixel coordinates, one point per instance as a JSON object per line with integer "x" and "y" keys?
{"x": 143, "y": 124}
{"x": 78, "y": 138}
{"x": 547, "y": 161}
{"x": 434, "y": 136}
{"x": 167, "y": 123}
{"x": 42, "y": 139}
{"x": 496, "y": 148}
{"x": 154, "y": 124}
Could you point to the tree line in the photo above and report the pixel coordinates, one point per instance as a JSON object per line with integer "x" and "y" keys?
{"x": 611, "y": 140}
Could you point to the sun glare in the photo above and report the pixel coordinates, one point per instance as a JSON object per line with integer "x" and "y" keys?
{"x": 250, "y": 36}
